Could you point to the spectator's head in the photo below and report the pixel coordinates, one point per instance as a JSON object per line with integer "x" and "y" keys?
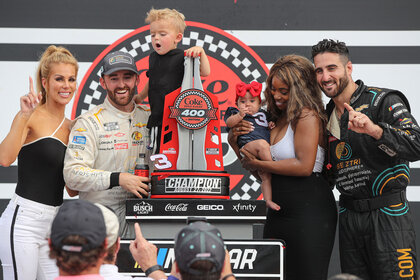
{"x": 112, "y": 227}
{"x": 166, "y": 29}
{"x": 78, "y": 238}
{"x": 199, "y": 252}
{"x": 120, "y": 78}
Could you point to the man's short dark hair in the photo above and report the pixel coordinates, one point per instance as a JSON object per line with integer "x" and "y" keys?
{"x": 329, "y": 45}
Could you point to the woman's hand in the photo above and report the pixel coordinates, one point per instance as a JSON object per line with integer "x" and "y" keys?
{"x": 243, "y": 127}
{"x": 29, "y": 101}
{"x": 249, "y": 161}
{"x": 271, "y": 125}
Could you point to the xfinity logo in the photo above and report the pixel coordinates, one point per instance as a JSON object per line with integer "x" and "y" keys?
{"x": 210, "y": 207}
{"x": 244, "y": 207}
{"x": 181, "y": 207}
{"x": 143, "y": 208}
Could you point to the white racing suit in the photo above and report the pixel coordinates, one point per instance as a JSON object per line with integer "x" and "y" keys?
{"x": 103, "y": 141}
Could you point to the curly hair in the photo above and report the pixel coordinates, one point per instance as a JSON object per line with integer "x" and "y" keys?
{"x": 298, "y": 73}
{"x": 329, "y": 45}
{"x": 74, "y": 263}
{"x": 111, "y": 253}
{"x": 52, "y": 54}
{"x": 177, "y": 18}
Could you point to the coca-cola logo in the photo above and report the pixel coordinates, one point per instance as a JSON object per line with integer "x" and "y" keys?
{"x": 193, "y": 109}
{"x": 181, "y": 207}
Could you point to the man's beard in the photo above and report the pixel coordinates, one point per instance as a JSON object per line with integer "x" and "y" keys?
{"x": 342, "y": 84}
{"x": 119, "y": 101}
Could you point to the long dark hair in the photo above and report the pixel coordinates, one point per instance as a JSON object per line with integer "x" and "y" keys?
{"x": 298, "y": 73}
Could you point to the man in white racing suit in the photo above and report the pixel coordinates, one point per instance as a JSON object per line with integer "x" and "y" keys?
{"x": 105, "y": 142}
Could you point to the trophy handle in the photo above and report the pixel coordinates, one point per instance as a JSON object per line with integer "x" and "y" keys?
{"x": 199, "y": 135}
{"x": 191, "y": 153}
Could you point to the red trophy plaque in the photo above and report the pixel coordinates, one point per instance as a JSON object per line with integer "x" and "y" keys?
{"x": 190, "y": 160}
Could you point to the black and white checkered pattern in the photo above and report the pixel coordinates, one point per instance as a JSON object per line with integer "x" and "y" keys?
{"x": 249, "y": 190}
{"x": 231, "y": 54}
{"x": 140, "y": 46}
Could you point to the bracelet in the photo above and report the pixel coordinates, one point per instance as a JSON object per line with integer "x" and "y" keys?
{"x": 227, "y": 276}
{"x": 153, "y": 268}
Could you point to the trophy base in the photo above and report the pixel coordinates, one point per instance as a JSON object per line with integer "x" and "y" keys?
{"x": 190, "y": 184}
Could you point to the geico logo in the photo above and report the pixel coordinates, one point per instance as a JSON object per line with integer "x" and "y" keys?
{"x": 210, "y": 207}
{"x": 405, "y": 263}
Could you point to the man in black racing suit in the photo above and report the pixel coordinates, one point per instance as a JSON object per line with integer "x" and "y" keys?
{"x": 371, "y": 137}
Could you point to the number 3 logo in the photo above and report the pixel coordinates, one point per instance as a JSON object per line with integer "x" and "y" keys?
{"x": 161, "y": 161}
{"x": 261, "y": 119}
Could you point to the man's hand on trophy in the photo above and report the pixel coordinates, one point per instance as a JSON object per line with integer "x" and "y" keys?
{"x": 135, "y": 184}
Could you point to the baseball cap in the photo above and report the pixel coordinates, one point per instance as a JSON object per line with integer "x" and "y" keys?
{"x": 116, "y": 61}
{"x": 199, "y": 241}
{"x": 82, "y": 218}
{"x": 111, "y": 223}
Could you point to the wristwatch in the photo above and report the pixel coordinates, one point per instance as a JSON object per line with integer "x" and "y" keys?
{"x": 153, "y": 268}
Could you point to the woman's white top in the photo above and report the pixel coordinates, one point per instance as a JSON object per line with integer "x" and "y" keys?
{"x": 285, "y": 149}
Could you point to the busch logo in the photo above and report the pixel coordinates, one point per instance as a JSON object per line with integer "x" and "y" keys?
{"x": 143, "y": 208}
{"x": 210, "y": 207}
{"x": 181, "y": 207}
{"x": 244, "y": 207}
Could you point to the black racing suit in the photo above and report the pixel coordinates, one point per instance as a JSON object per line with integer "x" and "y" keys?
{"x": 376, "y": 232}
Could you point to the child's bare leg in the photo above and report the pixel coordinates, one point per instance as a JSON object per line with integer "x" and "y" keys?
{"x": 261, "y": 149}
{"x": 266, "y": 190}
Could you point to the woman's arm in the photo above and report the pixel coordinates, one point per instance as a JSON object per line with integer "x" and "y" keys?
{"x": 11, "y": 145}
{"x": 71, "y": 193}
{"x": 241, "y": 128}
{"x": 306, "y": 140}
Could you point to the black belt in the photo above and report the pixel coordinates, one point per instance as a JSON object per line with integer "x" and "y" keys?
{"x": 369, "y": 204}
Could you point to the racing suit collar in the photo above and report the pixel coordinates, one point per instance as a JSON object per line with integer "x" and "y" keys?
{"x": 361, "y": 88}
{"x": 119, "y": 113}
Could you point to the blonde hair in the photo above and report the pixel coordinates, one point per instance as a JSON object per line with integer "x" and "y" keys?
{"x": 52, "y": 55}
{"x": 177, "y": 18}
{"x": 298, "y": 73}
